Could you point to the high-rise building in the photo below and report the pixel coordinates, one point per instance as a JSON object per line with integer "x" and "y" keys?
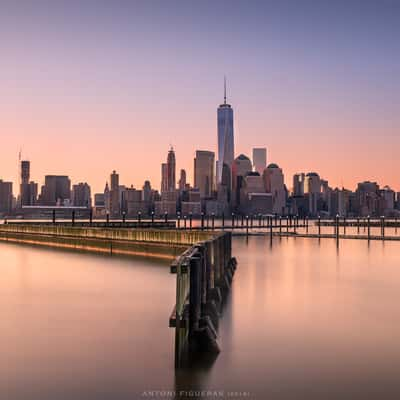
{"x": 6, "y": 197}
{"x": 240, "y": 168}
{"x": 259, "y": 159}
{"x": 313, "y": 190}
{"x": 204, "y": 172}
{"x": 171, "y": 170}
{"x": 164, "y": 177}
{"x": 81, "y": 195}
{"x": 56, "y": 190}
{"x": 28, "y": 190}
{"x": 274, "y": 184}
{"x": 115, "y": 204}
{"x": 225, "y": 137}
{"x": 298, "y": 184}
{"x": 25, "y": 171}
{"x": 182, "y": 180}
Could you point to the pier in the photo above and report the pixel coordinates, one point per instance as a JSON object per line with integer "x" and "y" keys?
{"x": 201, "y": 260}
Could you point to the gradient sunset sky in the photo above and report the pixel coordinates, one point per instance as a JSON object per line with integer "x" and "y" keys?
{"x": 92, "y": 86}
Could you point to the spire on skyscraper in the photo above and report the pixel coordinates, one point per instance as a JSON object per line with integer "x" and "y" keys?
{"x": 224, "y": 89}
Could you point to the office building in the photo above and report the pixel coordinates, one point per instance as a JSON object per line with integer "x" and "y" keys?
{"x": 204, "y": 172}
{"x": 259, "y": 159}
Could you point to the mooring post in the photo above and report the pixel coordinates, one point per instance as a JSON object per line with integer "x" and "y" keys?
{"x": 319, "y": 225}
{"x": 247, "y": 225}
{"x": 190, "y": 220}
{"x": 194, "y": 294}
{"x": 259, "y": 220}
{"x": 344, "y": 225}
{"x": 395, "y": 226}
{"x": 165, "y": 217}
{"x": 337, "y": 227}
{"x": 306, "y": 224}
{"x": 212, "y": 221}
{"x": 383, "y": 226}
{"x": 287, "y": 224}
{"x": 294, "y": 224}
{"x": 54, "y": 216}
{"x": 152, "y": 218}
{"x": 202, "y": 221}
{"x": 207, "y": 221}
{"x": 91, "y": 216}
{"x": 223, "y": 220}
{"x": 251, "y": 221}
{"x": 369, "y": 227}
{"x": 179, "y": 220}
{"x": 139, "y": 217}
{"x": 73, "y": 218}
{"x": 184, "y": 221}
{"x": 107, "y": 218}
{"x": 123, "y": 217}
{"x": 233, "y": 220}
{"x": 270, "y": 232}
{"x": 242, "y": 216}
{"x": 280, "y": 225}
{"x": 358, "y": 225}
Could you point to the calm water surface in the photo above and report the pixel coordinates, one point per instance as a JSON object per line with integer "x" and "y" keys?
{"x": 304, "y": 320}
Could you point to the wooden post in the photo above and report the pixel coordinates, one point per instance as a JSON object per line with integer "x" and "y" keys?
{"x": 280, "y": 225}
{"x": 91, "y": 216}
{"x": 223, "y": 221}
{"x": 369, "y": 227}
{"x": 190, "y": 220}
{"x": 233, "y": 220}
{"x": 54, "y": 216}
{"x": 358, "y": 225}
{"x": 165, "y": 217}
{"x": 259, "y": 220}
{"x": 247, "y": 225}
{"x": 251, "y": 221}
{"x": 306, "y": 224}
{"x": 139, "y": 217}
{"x": 73, "y": 218}
{"x": 179, "y": 220}
{"x": 184, "y": 221}
{"x": 383, "y": 226}
{"x": 344, "y": 225}
{"x": 108, "y": 218}
{"x": 202, "y": 221}
{"x": 212, "y": 221}
{"x": 123, "y": 217}
{"x": 319, "y": 225}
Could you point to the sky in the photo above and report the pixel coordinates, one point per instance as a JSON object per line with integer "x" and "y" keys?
{"x": 88, "y": 87}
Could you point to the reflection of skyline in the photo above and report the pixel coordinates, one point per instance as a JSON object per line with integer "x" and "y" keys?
{"x": 320, "y": 94}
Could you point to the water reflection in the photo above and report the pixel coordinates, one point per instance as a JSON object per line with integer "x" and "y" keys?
{"x": 304, "y": 320}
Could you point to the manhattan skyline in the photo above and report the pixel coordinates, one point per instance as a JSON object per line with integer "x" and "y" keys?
{"x": 322, "y": 103}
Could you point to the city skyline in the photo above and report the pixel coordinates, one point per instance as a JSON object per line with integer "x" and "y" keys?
{"x": 321, "y": 103}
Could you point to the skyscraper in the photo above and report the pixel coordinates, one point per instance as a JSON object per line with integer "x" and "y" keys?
{"x": 171, "y": 170}
{"x": 182, "y": 180}
{"x": 28, "y": 190}
{"x": 259, "y": 159}
{"x": 115, "y": 205}
{"x": 225, "y": 137}
{"x": 204, "y": 172}
{"x": 164, "y": 177}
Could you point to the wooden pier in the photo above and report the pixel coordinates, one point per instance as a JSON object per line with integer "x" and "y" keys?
{"x": 204, "y": 274}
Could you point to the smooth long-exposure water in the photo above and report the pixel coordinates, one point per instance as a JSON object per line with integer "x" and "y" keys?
{"x": 304, "y": 320}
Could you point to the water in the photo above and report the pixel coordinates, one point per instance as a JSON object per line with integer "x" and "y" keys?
{"x": 305, "y": 320}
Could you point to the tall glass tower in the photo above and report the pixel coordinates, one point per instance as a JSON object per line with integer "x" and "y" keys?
{"x": 225, "y": 137}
